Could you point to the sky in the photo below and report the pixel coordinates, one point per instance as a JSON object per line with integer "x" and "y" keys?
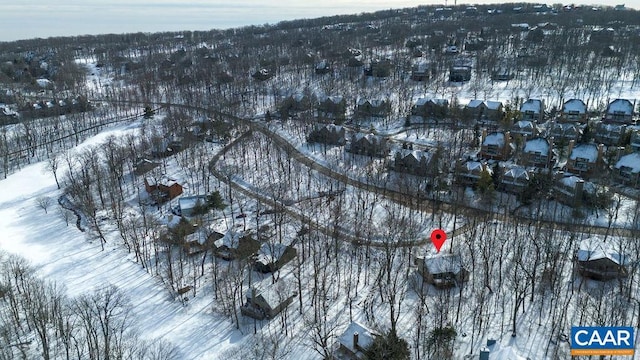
{"x": 45, "y": 18}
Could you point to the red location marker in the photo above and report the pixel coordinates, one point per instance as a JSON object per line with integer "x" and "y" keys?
{"x": 438, "y": 237}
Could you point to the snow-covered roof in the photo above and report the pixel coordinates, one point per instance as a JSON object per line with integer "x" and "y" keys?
{"x": 594, "y": 248}
{"x": 270, "y": 253}
{"x": 494, "y": 139}
{"x": 365, "y": 337}
{"x": 585, "y": 151}
{"x": 574, "y": 105}
{"x": 441, "y": 264}
{"x": 523, "y": 124}
{"x": 618, "y": 106}
{"x": 473, "y": 166}
{"x": 273, "y": 294}
{"x": 611, "y": 128}
{"x": 531, "y": 105}
{"x": 189, "y": 202}
{"x": 517, "y": 172}
{"x": 423, "y": 101}
{"x": 417, "y": 154}
{"x": 537, "y": 145}
{"x": 572, "y": 180}
{"x": 631, "y": 161}
{"x": 164, "y": 180}
{"x": 372, "y": 102}
{"x": 493, "y": 105}
{"x": 230, "y": 240}
{"x": 474, "y": 103}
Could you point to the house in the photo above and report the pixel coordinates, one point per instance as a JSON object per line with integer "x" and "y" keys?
{"x": 525, "y": 129}
{"x": 538, "y": 152}
{"x": 515, "y": 179}
{"x": 373, "y": 108}
{"x": 572, "y": 190}
{"x": 162, "y": 189}
{"x": 584, "y": 159}
{"x": 574, "y": 110}
{"x": 485, "y": 110}
{"x": 627, "y": 170}
{"x": 413, "y": 162}
{"x": 322, "y": 67}
{"x": 369, "y": 144}
{"x": 353, "y": 342}
{"x": 188, "y": 205}
{"x": 634, "y": 141}
{"x": 600, "y": 260}
{"x": 379, "y": 68}
{"x": 271, "y": 257}
{"x": 198, "y": 241}
{"x": 143, "y": 166}
{"x": 332, "y": 107}
{"x": 619, "y": 111}
{"x": 532, "y": 110}
{"x": 609, "y": 134}
{"x": 235, "y": 245}
{"x": 328, "y": 134}
{"x": 421, "y": 71}
{"x": 443, "y": 270}
{"x": 566, "y": 132}
{"x": 496, "y": 146}
{"x": 267, "y": 301}
{"x": 430, "y": 108}
{"x": 502, "y": 73}
{"x": 469, "y": 172}
{"x": 459, "y": 73}
{"x": 295, "y": 103}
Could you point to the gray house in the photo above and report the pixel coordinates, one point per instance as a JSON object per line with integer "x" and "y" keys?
{"x": 267, "y": 301}
{"x": 328, "y": 134}
{"x": 368, "y": 144}
{"x": 599, "y": 260}
{"x": 442, "y": 271}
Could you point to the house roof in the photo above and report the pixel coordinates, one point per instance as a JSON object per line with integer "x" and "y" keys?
{"x": 585, "y": 151}
{"x": 523, "y": 124}
{"x": 517, "y": 172}
{"x": 571, "y": 181}
{"x": 231, "y": 240}
{"x": 189, "y": 202}
{"x": 611, "y": 128}
{"x": 494, "y": 139}
{"x": 423, "y": 101}
{"x": 493, "y": 105}
{"x": 164, "y": 180}
{"x": 631, "y": 161}
{"x": 417, "y": 154}
{"x": 475, "y": 103}
{"x": 574, "y": 105}
{"x": 594, "y": 248}
{"x": 372, "y": 102}
{"x": 620, "y": 106}
{"x": 472, "y": 166}
{"x": 442, "y": 264}
{"x": 273, "y": 294}
{"x": 537, "y": 145}
{"x": 365, "y": 337}
{"x": 533, "y": 105}
{"x": 270, "y": 253}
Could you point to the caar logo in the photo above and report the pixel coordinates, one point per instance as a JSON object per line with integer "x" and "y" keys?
{"x": 602, "y": 340}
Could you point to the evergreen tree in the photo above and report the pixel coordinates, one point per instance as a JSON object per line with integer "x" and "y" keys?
{"x": 388, "y": 347}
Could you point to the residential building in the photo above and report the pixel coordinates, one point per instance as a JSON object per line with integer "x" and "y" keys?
{"x": 619, "y": 111}
{"x": 413, "y": 162}
{"x": 267, "y": 301}
{"x": 430, "y": 108}
{"x": 442, "y": 270}
{"x": 496, "y": 146}
{"x": 627, "y": 170}
{"x": 532, "y": 110}
{"x": 538, "y": 152}
{"x": 609, "y": 134}
{"x": 353, "y": 342}
{"x": 373, "y": 108}
{"x": 574, "y": 110}
{"x": 368, "y": 144}
{"x": 515, "y": 179}
{"x": 584, "y": 159}
{"x": 328, "y": 134}
{"x": 600, "y": 260}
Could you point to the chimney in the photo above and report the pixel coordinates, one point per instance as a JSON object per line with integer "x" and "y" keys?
{"x": 577, "y": 195}
{"x": 355, "y": 340}
{"x": 600, "y": 153}
{"x": 484, "y": 136}
{"x": 507, "y": 144}
{"x": 571, "y": 144}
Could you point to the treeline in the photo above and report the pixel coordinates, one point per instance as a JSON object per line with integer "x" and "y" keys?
{"x": 38, "y": 320}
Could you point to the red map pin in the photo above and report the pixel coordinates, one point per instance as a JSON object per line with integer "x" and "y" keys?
{"x": 438, "y": 237}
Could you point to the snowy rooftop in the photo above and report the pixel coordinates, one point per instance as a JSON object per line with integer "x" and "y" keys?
{"x": 365, "y": 337}
{"x": 474, "y": 103}
{"x": 523, "y": 124}
{"x": 532, "y": 105}
{"x": 493, "y": 105}
{"x": 372, "y": 102}
{"x": 270, "y": 253}
{"x": 537, "y": 145}
{"x": 631, "y": 161}
{"x": 574, "y": 105}
{"x": 442, "y": 264}
{"x": 494, "y": 139}
{"x": 585, "y": 151}
{"x": 423, "y": 101}
{"x": 594, "y": 248}
{"x": 231, "y": 240}
{"x": 273, "y": 294}
{"x": 620, "y": 106}
{"x": 189, "y": 202}
{"x": 571, "y": 181}
{"x": 517, "y": 172}
{"x": 417, "y": 154}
